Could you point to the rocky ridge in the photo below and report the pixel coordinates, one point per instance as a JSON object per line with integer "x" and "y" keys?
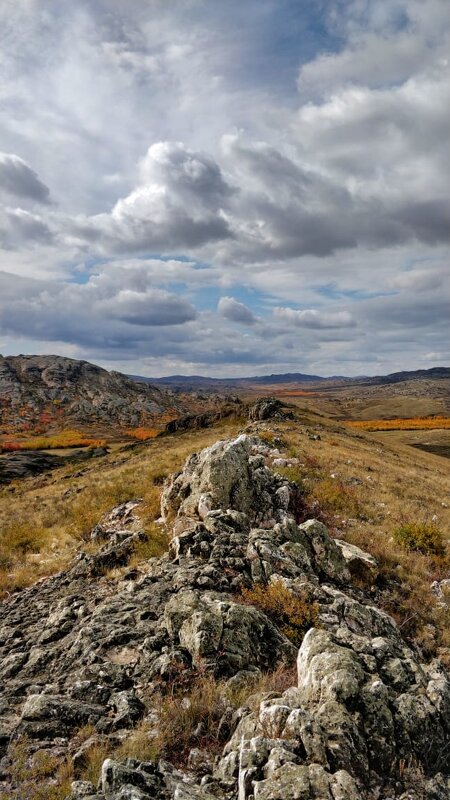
{"x": 365, "y": 720}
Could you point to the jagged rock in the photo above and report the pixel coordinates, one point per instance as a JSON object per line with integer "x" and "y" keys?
{"x": 80, "y": 790}
{"x": 226, "y": 476}
{"x": 23, "y": 465}
{"x": 229, "y": 637}
{"x": 269, "y": 408}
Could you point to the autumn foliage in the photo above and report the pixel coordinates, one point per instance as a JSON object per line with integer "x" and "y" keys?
{"x": 142, "y": 434}
{"x": 410, "y": 424}
{"x": 60, "y": 440}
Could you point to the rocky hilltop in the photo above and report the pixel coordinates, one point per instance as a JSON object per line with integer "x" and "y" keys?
{"x": 62, "y": 391}
{"x": 361, "y": 717}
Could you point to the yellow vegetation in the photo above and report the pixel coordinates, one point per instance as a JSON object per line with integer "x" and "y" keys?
{"x": 142, "y": 434}
{"x": 411, "y": 424}
{"x": 60, "y": 440}
{"x": 189, "y": 716}
{"x": 292, "y": 613}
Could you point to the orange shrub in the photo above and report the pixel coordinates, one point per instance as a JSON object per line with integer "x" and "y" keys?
{"x": 142, "y": 434}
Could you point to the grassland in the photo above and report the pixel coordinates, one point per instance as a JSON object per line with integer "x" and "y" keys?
{"x": 365, "y": 486}
{"x": 58, "y": 441}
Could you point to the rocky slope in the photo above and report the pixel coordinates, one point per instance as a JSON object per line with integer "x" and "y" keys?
{"x": 365, "y": 719}
{"x": 70, "y": 392}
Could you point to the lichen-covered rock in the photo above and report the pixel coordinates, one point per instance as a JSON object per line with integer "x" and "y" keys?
{"x": 361, "y": 565}
{"x": 269, "y": 408}
{"x": 226, "y": 476}
{"x": 228, "y": 637}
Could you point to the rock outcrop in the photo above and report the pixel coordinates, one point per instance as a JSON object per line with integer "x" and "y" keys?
{"x": 269, "y": 408}
{"x": 366, "y": 719}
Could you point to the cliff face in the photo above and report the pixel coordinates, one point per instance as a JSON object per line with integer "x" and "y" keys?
{"x": 362, "y": 719}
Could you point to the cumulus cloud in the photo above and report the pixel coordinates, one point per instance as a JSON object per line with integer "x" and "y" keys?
{"x": 154, "y": 307}
{"x": 18, "y": 179}
{"x": 312, "y": 318}
{"x": 19, "y": 227}
{"x": 232, "y": 309}
{"x": 178, "y": 202}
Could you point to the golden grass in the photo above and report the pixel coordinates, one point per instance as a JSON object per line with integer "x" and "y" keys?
{"x": 189, "y": 716}
{"x": 409, "y": 424}
{"x": 293, "y": 614}
{"x": 393, "y": 485}
{"x": 44, "y": 520}
{"x": 41, "y": 776}
{"x": 68, "y": 438}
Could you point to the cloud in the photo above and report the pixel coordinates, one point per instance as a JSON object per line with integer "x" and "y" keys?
{"x": 178, "y": 202}
{"x": 18, "y": 179}
{"x": 193, "y": 160}
{"x": 153, "y": 308}
{"x": 19, "y": 227}
{"x": 312, "y": 318}
{"x": 231, "y": 309}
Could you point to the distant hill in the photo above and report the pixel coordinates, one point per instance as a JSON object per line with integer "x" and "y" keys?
{"x": 219, "y": 384}
{"x": 54, "y": 391}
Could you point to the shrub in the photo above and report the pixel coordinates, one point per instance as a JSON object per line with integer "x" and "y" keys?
{"x": 292, "y": 613}
{"x": 421, "y": 537}
{"x": 334, "y": 497}
{"x": 142, "y": 434}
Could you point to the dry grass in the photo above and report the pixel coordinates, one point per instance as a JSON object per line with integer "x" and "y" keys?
{"x": 41, "y": 776}
{"x": 44, "y": 520}
{"x": 60, "y": 440}
{"x": 189, "y": 716}
{"x": 292, "y": 613}
{"x": 392, "y": 485}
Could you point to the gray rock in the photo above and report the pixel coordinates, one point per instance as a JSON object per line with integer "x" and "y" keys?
{"x": 361, "y": 565}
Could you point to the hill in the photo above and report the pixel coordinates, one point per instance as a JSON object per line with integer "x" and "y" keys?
{"x": 48, "y": 393}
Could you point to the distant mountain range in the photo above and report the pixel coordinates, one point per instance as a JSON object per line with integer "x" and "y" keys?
{"x": 200, "y": 382}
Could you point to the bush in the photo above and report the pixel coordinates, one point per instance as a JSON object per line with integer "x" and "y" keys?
{"x": 334, "y": 497}
{"x": 293, "y": 614}
{"x": 421, "y": 537}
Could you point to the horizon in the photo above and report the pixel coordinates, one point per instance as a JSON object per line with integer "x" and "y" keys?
{"x": 226, "y": 190}
{"x": 215, "y": 377}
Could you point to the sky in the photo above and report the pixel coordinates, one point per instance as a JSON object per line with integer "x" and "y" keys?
{"x": 226, "y": 188}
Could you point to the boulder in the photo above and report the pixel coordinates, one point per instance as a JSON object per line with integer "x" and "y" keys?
{"x": 361, "y": 565}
